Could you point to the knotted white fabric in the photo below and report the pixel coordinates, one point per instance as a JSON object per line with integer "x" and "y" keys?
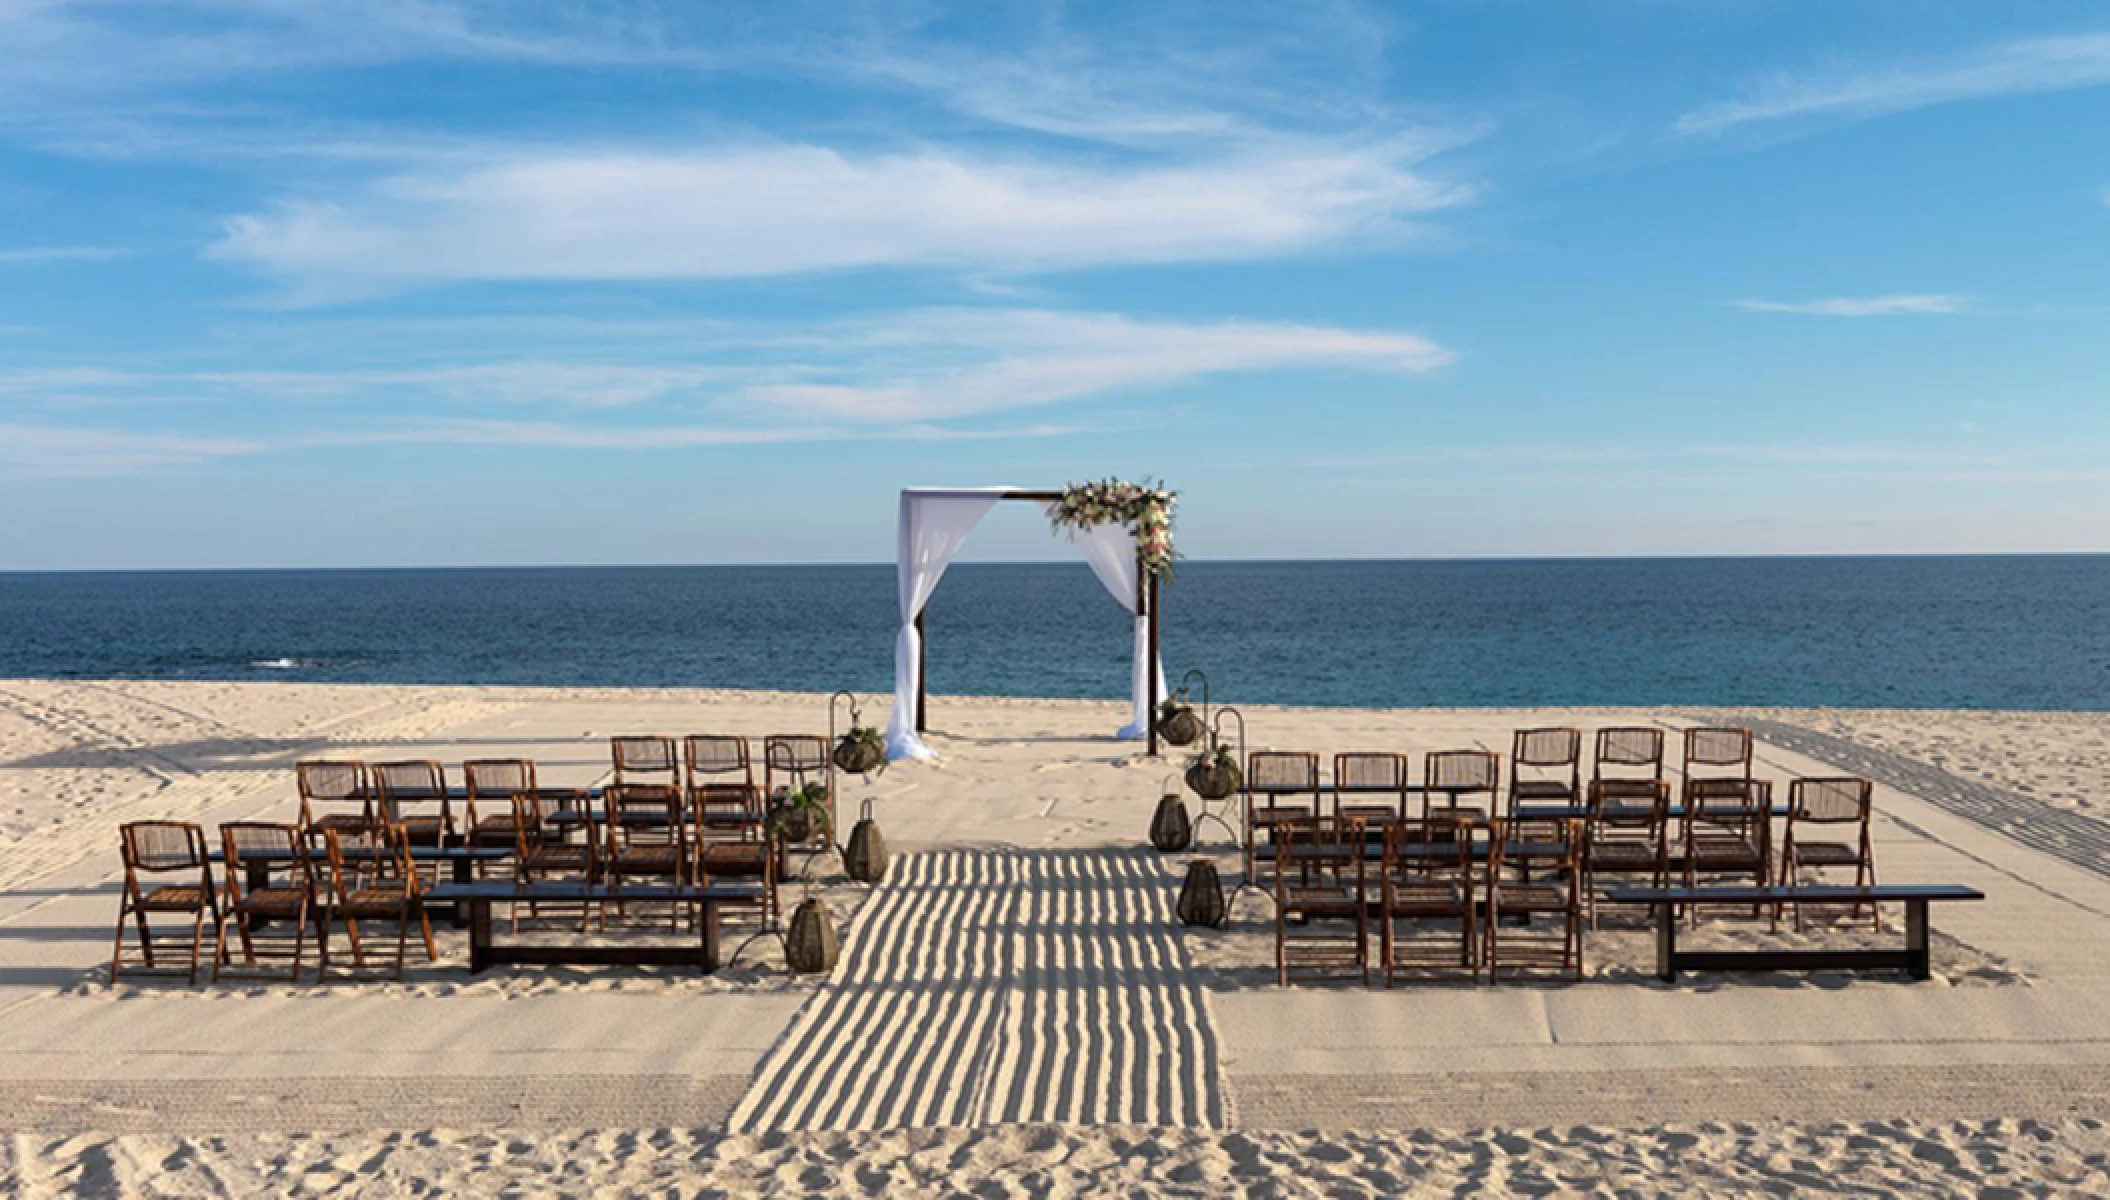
{"x": 934, "y": 521}
{"x": 1111, "y": 551}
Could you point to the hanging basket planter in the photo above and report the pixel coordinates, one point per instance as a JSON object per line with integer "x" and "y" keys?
{"x": 1178, "y": 724}
{"x": 1202, "y": 896}
{"x": 1214, "y": 774}
{"x": 865, "y": 858}
{"x": 799, "y": 817}
{"x": 810, "y": 947}
{"x": 861, "y": 751}
{"x": 1170, "y": 829}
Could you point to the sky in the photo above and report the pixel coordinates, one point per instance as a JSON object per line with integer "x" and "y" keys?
{"x": 433, "y": 282}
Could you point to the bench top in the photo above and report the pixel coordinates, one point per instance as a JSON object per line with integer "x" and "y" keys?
{"x": 557, "y": 889}
{"x": 417, "y": 854}
{"x": 1824, "y": 894}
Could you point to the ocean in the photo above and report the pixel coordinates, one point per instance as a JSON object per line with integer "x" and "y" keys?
{"x": 1961, "y": 632}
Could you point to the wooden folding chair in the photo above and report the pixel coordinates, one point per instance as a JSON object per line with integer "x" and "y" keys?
{"x": 1557, "y": 894}
{"x": 1628, "y": 764}
{"x": 372, "y": 878}
{"x": 1816, "y": 807}
{"x": 405, "y": 793}
{"x": 340, "y": 783}
{"x": 1370, "y": 784}
{"x": 1427, "y": 882}
{"x": 540, "y": 852}
{"x": 1322, "y": 898}
{"x": 1626, "y": 834}
{"x": 1545, "y": 769}
{"x": 491, "y": 784}
{"x": 153, "y": 851}
{"x": 646, "y": 838}
{"x": 1461, "y": 786}
{"x": 270, "y": 899}
{"x": 1728, "y": 817}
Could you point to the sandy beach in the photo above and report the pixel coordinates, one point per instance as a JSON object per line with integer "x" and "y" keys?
{"x": 1016, "y": 1012}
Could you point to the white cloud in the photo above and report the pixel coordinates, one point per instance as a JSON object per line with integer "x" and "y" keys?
{"x": 53, "y": 451}
{"x": 44, "y": 254}
{"x": 1025, "y": 359}
{"x": 787, "y": 209}
{"x": 2032, "y": 65}
{"x": 895, "y": 369}
{"x": 1925, "y": 304}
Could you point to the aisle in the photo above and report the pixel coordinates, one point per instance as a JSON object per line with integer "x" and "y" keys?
{"x": 1001, "y": 986}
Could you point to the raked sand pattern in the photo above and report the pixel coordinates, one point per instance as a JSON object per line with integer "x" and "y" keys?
{"x": 1002, "y": 987}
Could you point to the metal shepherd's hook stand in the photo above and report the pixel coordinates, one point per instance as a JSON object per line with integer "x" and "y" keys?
{"x": 864, "y": 807}
{"x": 1241, "y": 834}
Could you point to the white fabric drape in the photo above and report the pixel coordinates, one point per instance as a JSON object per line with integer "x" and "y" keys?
{"x": 933, "y": 523}
{"x": 1111, "y": 551}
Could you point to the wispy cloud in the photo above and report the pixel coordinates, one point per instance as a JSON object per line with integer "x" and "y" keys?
{"x": 919, "y": 365}
{"x": 922, "y": 375}
{"x": 45, "y": 254}
{"x": 2031, "y": 65}
{"x": 787, "y": 209}
{"x": 48, "y": 451}
{"x": 1920, "y": 304}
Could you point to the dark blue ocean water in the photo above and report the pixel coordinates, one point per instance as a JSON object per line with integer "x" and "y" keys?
{"x": 1990, "y": 632}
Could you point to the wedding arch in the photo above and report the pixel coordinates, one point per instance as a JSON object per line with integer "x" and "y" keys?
{"x": 1125, "y": 532}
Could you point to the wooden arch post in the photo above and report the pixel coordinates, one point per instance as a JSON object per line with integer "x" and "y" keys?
{"x": 1146, "y": 597}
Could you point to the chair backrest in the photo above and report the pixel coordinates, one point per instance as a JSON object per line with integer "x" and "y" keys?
{"x": 645, "y": 758}
{"x": 1831, "y": 801}
{"x": 1546, "y": 748}
{"x": 1282, "y": 772}
{"x": 498, "y": 778}
{"x": 162, "y": 846}
{"x": 371, "y": 859}
{"x": 1634, "y": 750}
{"x": 1462, "y": 771}
{"x": 1420, "y": 849}
{"x": 321, "y": 780}
{"x": 1369, "y": 771}
{"x": 1327, "y": 849}
{"x": 717, "y": 754}
{"x": 273, "y": 848}
{"x": 1506, "y": 837}
{"x": 797, "y": 753}
{"x": 643, "y": 812}
{"x": 414, "y": 779}
{"x": 1713, "y": 747}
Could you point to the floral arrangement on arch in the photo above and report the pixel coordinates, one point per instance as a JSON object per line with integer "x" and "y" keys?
{"x": 1145, "y": 506}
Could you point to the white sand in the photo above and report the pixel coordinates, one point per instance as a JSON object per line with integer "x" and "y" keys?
{"x": 1014, "y": 1011}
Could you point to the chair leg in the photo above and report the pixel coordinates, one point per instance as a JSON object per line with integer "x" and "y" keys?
{"x": 197, "y": 942}
{"x": 117, "y": 951}
{"x": 146, "y": 936}
{"x": 432, "y": 951}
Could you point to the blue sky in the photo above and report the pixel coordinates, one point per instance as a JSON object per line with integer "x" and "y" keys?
{"x": 287, "y": 282}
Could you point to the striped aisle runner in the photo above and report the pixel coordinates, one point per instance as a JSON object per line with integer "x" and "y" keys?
{"x": 1001, "y": 986}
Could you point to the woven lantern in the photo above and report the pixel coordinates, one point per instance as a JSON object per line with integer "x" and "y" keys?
{"x": 864, "y": 859}
{"x": 1202, "y": 896}
{"x": 1170, "y": 830}
{"x": 1178, "y": 725}
{"x": 811, "y": 947}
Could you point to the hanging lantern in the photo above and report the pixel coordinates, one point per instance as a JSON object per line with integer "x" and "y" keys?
{"x": 1202, "y": 896}
{"x": 810, "y": 947}
{"x": 1170, "y": 830}
{"x": 1178, "y": 724}
{"x": 864, "y": 859}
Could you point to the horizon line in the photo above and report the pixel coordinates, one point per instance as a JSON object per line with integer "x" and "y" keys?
{"x": 1056, "y": 562}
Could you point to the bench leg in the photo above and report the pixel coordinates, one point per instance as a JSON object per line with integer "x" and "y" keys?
{"x": 463, "y": 874}
{"x": 479, "y": 934}
{"x": 1667, "y": 942}
{"x": 1916, "y": 939}
{"x": 709, "y": 922}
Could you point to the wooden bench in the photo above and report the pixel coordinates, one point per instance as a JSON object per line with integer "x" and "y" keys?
{"x": 484, "y": 953}
{"x": 1912, "y": 959}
